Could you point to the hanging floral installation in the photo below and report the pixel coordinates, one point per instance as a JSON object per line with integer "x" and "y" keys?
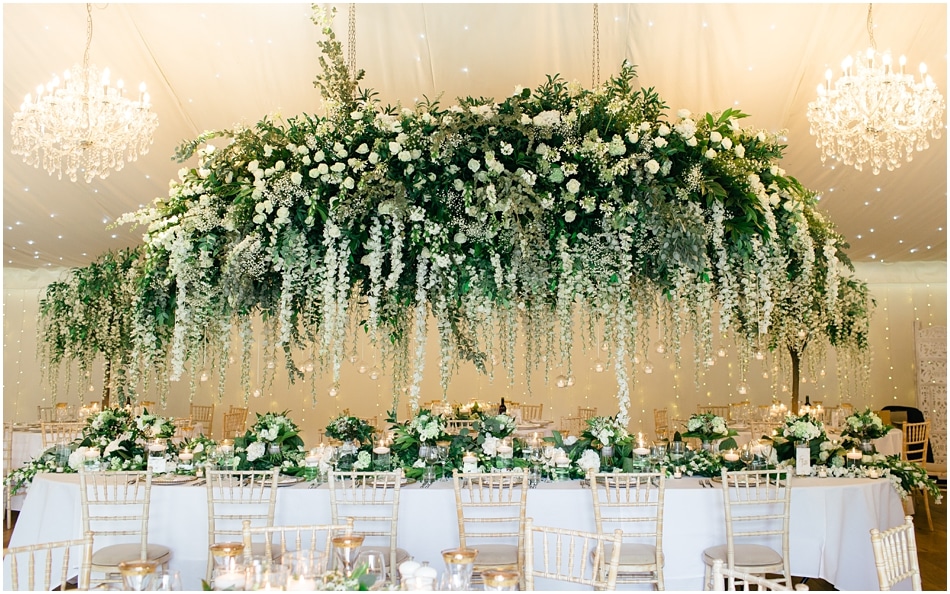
{"x": 497, "y": 222}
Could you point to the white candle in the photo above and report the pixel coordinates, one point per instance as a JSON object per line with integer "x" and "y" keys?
{"x": 872, "y": 472}
{"x": 822, "y": 473}
{"x": 641, "y": 451}
{"x": 469, "y": 459}
{"x": 92, "y": 454}
{"x": 562, "y": 460}
{"x": 854, "y": 454}
{"x": 230, "y": 580}
{"x": 186, "y": 457}
{"x": 301, "y": 583}
{"x": 408, "y": 568}
{"x": 677, "y": 474}
{"x": 155, "y": 448}
{"x": 380, "y": 450}
{"x": 504, "y": 451}
{"x": 730, "y": 456}
{"x": 312, "y": 460}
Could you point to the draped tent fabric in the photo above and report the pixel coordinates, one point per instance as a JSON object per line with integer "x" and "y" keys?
{"x": 209, "y": 66}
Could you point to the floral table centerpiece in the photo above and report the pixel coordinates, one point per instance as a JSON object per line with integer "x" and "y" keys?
{"x": 609, "y": 439}
{"x": 865, "y": 426}
{"x": 804, "y": 429}
{"x": 491, "y": 437}
{"x": 412, "y": 437}
{"x": 271, "y": 441}
{"x": 708, "y": 428}
{"x": 356, "y": 436}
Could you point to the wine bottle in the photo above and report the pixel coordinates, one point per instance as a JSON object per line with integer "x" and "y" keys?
{"x": 502, "y": 409}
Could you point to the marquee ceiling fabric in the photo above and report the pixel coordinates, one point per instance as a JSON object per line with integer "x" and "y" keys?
{"x": 210, "y": 66}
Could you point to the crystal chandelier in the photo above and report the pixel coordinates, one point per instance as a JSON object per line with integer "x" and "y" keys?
{"x": 82, "y": 124}
{"x": 875, "y": 114}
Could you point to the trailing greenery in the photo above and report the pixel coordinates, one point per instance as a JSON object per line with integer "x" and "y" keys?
{"x": 494, "y": 219}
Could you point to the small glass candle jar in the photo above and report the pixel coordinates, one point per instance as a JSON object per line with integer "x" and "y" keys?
{"x": 226, "y": 555}
{"x": 156, "y": 455}
{"x": 137, "y": 576}
{"x": 186, "y": 460}
{"x": 500, "y": 580}
{"x": 382, "y": 460}
{"x": 459, "y": 564}
{"x": 91, "y": 460}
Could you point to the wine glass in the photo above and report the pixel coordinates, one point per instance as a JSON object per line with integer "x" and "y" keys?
{"x": 375, "y": 565}
{"x": 432, "y": 458}
{"x": 747, "y": 454}
{"x": 766, "y": 450}
{"x": 443, "y": 454}
{"x": 677, "y": 450}
{"x": 548, "y": 453}
{"x": 170, "y": 581}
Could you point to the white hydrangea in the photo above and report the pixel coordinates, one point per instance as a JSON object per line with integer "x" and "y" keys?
{"x": 589, "y": 460}
{"x": 255, "y": 450}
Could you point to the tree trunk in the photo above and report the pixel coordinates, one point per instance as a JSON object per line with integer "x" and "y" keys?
{"x": 796, "y": 372}
{"x": 106, "y": 384}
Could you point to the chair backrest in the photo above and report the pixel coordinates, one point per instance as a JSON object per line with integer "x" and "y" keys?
{"x": 204, "y": 415}
{"x": 571, "y": 556}
{"x": 45, "y": 414}
{"x": 184, "y": 429}
{"x": 284, "y": 539}
{"x": 895, "y": 555}
{"x": 116, "y": 505}
{"x": 757, "y": 505}
{"x": 7, "y": 447}
{"x": 572, "y": 426}
{"x": 55, "y": 433}
{"x": 632, "y": 503}
{"x": 885, "y": 416}
{"x": 719, "y": 411}
{"x": 234, "y": 423}
{"x": 454, "y": 426}
{"x": 235, "y": 496}
{"x": 371, "y": 501}
{"x": 847, "y": 408}
{"x": 23, "y": 564}
{"x": 661, "y": 422}
{"x": 490, "y": 507}
{"x": 531, "y": 412}
{"x": 915, "y": 442}
{"x": 724, "y": 578}
{"x": 586, "y": 412}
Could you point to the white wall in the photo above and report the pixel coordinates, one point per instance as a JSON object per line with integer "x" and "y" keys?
{"x": 903, "y": 292}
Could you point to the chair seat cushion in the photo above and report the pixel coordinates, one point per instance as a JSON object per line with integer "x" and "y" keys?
{"x": 747, "y": 555}
{"x": 112, "y": 555}
{"x": 496, "y": 555}
{"x": 632, "y": 553}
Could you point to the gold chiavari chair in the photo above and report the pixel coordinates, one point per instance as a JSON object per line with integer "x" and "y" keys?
{"x": 455, "y": 426}
{"x": 719, "y": 411}
{"x": 45, "y": 414}
{"x": 757, "y": 505}
{"x": 661, "y": 423}
{"x": 203, "y": 415}
{"x": 56, "y": 433}
{"x": 7, "y": 469}
{"x": 24, "y": 564}
{"x": 723, "y": 578}
{"x": 633, "y": 503}
{"x": 115, "y": 505}
{"x": 572, "y": 426}
{"x": 531, "y": 412}
{"x": 278, "y": 540}
{"x": 490, "y": 508}
{"x": 895, "y": 555}
{"x": 236, "y": 496}
{"x": 371, "y": 501}
{"x": 586, "y": 412}
{"x": 234, "y": 423}
{"x": 916, "y": 442}
{"x": 571, "y": 556}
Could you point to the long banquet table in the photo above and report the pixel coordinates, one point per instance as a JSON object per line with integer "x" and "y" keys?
{"x": 829, "y": 529}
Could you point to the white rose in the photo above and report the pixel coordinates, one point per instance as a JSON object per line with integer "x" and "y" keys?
{"x": 570, "y": 440}
{"x": 296, "y": 178}
{"x": 474, "y": 165}
{"x": 255, "y": 450}
{"x": 663, "y": 130}
{"x": 692, "y": 141}
{"x": 710, "y": 154}
{"x": 683, "y": 114}
{"x": 726, "y": 143}
{"x": 652, "y": 166}
{"x": 715, "y": 136}
{"x": 659, "y": 142}
{"x": 740, "y": 151}
{"x": 573, "y": 186}
{"x": 569, "y": 216}
{"x": 490, "y": 445}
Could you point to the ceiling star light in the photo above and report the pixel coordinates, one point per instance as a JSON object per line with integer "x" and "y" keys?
{"x": 875, "y": 115}
{"x": 82, "y": 124}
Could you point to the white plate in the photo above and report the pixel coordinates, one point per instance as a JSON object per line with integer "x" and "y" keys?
{"x": 172, "y": 479}
{"x": 285, "y": 480}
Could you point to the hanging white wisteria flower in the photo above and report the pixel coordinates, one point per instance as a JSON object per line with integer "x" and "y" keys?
{"x": 497, "y": 219}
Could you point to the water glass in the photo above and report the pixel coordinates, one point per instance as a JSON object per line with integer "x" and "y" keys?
{"x": 304, "y": 569}
{"x": 677, "y": 450}
{"x": 500, "y": 580}
{"x": 264, "y": 574}
{"x": 170, "y": 581}
{"x": 229, "y": 578}
{"x": 375, "y": 565}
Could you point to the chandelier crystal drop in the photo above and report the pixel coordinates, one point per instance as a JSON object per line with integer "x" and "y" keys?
{"x": 875, "y": 114}
{"x": 82, "y": 124}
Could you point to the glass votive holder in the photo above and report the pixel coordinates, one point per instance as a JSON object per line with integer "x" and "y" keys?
{"x": 137, "y": 576}
{"x": 186, "y": 460}
{"x": 562, "y": 471}
{"x": 226, "y": 555}
{"x": 304, "y": 569}
{"x": 156, "y": 455}
{"x": 382, "y": 459}
{"x": 500, "y": 580}
{"x": 264, "y": 574}
{"x": 229, "y": 578}
{"x": 853, "y": 458}
{"x": 91, "y": 460}
{"x": 418, "y": 583}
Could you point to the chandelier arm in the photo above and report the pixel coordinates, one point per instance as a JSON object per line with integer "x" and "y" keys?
{"x": 871, "y": 26}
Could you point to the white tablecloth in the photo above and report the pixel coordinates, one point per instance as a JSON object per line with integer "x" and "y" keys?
{"x": 26, "y": 446}
{"x": 829, "y": 535}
